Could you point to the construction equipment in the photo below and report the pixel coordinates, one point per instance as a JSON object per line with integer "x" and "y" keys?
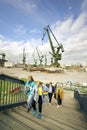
{"x": 45, "y": 60}
{"x": 40, "y": 55}
{"x": 55, "y": 50}
{"x": 24, "y": 56}
{"x": 35, "y": 60}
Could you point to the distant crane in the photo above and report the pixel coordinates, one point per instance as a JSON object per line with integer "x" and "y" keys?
{"x": 55, "y": 50}
{"x": 40, "y": 55}
{"x": 24, "y": 56}
{"x": 45, "y": 60}
{"x": 35, "y": 60}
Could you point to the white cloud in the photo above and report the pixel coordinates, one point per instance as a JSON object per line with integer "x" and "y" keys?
{"x": 79, "y": 23}
{"x": 2, "y": 37}
{"x": 14, "y": 49}
{"x": 20, "y": 29}
{"x": 84, "y": 6}
{"x": 27, "y": 6}
{"x": 71, "y": 32}
{"x": 35, "y": 31}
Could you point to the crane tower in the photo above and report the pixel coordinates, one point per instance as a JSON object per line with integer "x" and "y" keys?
{"x": 55, "y": 51}
{"x": 24, "y": 56}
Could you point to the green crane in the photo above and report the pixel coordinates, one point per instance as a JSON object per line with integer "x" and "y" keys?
{"x": 35, "y": 60}
{"x": 55, "y": 50}
{"x": 45, "y": 60}
{"x": 24, "y": 56}
{"x": 40, "y": 56}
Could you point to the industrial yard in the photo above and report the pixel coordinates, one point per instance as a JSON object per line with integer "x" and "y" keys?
{"x": 43, "y": 65}
{"x": 46, "y": 77}
{"x": 54, "y": 72}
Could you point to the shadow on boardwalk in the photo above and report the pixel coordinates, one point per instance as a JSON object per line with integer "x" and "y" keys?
{"x": 67, "y": 117}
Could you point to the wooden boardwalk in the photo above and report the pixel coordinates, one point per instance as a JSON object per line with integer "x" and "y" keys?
{"x": 67, "y": 117}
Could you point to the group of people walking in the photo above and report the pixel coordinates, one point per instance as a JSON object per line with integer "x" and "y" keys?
{"x": 34, "y": 92}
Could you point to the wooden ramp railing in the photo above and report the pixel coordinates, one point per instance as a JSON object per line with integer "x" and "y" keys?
{"x": 67, "y": 117}
{"x": 11, "y": 92}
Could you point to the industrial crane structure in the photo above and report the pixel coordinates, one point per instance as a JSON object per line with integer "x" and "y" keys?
{"x": 45, "y": 60}
{"x": 35, "y": 60}
{"x": 24, "y": 56}
{"x": 40, "y": 55}
{"x": 55, "y": 50}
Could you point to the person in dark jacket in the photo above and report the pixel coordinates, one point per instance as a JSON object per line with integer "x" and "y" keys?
{"x": 50, "y": 92}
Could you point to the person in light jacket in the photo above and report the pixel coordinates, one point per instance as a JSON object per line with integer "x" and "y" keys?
{"x": 38, "y": 98}
{"x": 28, "y": 87}
{"x": 59, "y": 92}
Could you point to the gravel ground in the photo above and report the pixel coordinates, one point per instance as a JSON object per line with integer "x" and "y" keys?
{"x": 80, "y": 77}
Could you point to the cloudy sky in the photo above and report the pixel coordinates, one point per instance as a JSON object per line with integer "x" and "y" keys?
{"x": 22, "y": 25}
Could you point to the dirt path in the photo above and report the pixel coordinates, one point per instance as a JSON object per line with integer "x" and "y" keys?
{"x": 47, "y": 77}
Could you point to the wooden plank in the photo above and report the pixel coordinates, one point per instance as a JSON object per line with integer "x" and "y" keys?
{"x": 4, "y": 126}
{"x": 12, "y": 123}
{"x": 48, "y": 120}
{"x": 26, "y": 121}
{"x": 65, "y": 120}
{"x": 67, "y": 117}
{"x": 30, "y": 116}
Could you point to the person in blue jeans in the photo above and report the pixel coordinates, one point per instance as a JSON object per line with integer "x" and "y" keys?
{"x": 50, "y": 92}
{"x": 37, "y": 98}
{"x": 29, "y": 85}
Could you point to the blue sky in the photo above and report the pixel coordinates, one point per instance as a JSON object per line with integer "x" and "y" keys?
{"x": 22, "y": 23}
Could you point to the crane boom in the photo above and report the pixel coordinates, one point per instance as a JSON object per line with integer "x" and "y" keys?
{"x": 53, "y": 34}
{"x": 40, "y": 56}
{"x": 35, "y": 60}
{"x": 55, "y": 50}
{"x": 47, "y": 30}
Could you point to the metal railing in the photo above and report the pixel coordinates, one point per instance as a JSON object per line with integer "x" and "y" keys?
{"x": 11, "y": 92}
{"x": 82, "y": 99}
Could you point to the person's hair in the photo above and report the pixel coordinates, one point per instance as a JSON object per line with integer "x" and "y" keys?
{"x": 31, "y": 77}
{"x": 39, "y": 83}
{"x": 59, "y": 85}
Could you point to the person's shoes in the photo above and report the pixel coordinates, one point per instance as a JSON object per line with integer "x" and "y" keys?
{"x": 35, "y": 112}
{"x": 57, "y": 106}
{"x": 28, "y": 109}
{"x": 39, "y": 116}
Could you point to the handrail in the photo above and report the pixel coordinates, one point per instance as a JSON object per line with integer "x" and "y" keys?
{"x": 11, "y": 92}
{"x": 82, "y": 99}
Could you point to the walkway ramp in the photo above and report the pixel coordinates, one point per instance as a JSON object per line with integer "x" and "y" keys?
{"x": 68, "y": 117}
